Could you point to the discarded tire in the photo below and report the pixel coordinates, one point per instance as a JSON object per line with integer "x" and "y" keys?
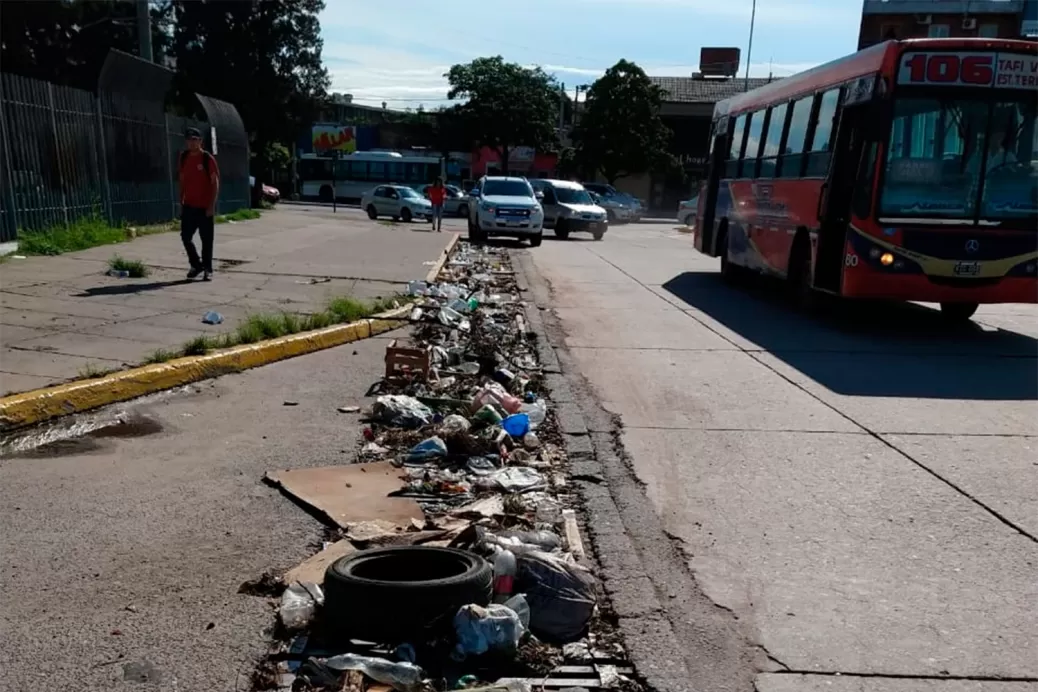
{"x": 403, "y": 594}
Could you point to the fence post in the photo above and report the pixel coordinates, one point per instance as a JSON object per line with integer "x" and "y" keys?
{"x": 57, "y": 146}
{"x": 102, "y": 157}
{"x": 8, "y": 181}
{"x": 169, "y": 172}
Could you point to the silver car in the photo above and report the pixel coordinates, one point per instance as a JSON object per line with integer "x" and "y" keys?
{"x": 619, "y": 206}
{"x": 455, "y": 202}
{"x": 569, "y": 208}
{"x": 397, "y": 201}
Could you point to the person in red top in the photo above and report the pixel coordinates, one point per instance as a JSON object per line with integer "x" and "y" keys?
{"x": 199, "y": 188}
{"x": 437, "y": 193}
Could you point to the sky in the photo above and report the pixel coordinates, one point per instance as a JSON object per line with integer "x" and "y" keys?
{"x": 398, "y": 52}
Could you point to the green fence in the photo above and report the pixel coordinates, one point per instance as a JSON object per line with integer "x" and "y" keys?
{"x": 65, "y": 153}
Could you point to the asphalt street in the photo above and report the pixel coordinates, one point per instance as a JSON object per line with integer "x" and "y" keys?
{"x": 860, "y": 489}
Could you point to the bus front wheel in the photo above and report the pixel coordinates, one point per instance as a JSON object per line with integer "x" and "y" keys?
{"x": 372, "y": 212}
{"x": 325, "y": 193}
{"x": 799, "y": 276}
{"x": 958, "y": 312}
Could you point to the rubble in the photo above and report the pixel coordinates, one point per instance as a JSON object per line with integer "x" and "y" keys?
{"x": 463, "y": 436}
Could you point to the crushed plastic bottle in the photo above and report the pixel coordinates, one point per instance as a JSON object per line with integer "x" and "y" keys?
{"x": 417, "y": 288}
{"x": 212, "y": 317}
{"x": 426, "y": 451}
{"x": 504, "y": 574}
{"x": 402, "y": 676}
{"x": 298, "y": 603}
{"x": 537, "y": 411}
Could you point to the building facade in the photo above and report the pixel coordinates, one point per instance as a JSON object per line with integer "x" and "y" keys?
{"x": 883, "y": 20}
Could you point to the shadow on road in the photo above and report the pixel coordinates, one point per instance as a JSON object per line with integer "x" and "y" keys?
{"x": 872, "y": 349}
{"x": 127, "y": 289}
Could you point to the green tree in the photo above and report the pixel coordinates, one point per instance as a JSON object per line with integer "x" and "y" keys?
{"x": 263, "y": 57}
{"x": 620, "y": 132}
{"x": 505, "y": 105}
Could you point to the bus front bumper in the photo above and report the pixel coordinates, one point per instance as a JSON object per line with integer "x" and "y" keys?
{"x": 926, "y": 289}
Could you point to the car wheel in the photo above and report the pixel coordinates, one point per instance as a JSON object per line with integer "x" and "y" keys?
{"x": 958, "y": 312}
{"x": 598, "y": 235}
{"x": 535, "y": 241}
{"x": 610, "y": 216}
{"x": 325, "y": 193}
{"x": 365, "y": 595}
{"x": 405, "y": 215}
{"x": 463, "y": 210}
{"x": 560, "y": 230}
{"x": 372, "y": 212}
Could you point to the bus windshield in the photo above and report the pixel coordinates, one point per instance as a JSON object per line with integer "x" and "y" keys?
{"x": 961, "y": 159}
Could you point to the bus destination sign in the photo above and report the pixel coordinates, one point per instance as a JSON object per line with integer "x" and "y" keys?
{"x": 976, "y": 69}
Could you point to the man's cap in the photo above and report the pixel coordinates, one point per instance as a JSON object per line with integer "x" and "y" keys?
{"x": 193, "y": 132}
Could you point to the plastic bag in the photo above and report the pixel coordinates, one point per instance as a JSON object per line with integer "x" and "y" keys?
{"x": 403, "y": 411}
{"x": 513, "y": 479}
{"x": 561, "y": 596}
{"x": 406, "y": 677}
{"x": 480, "y": 466}
{"x": 481, "y": 629}
{"x": 298, "y": 603}
{"x": 454, "y": 423}
{"x": 516, "y": 425}
{"x": 537, "y": 412}
{"x": 426, "y": 450}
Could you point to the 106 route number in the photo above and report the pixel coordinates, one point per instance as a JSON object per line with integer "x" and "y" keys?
{"x": 947, "y": 68}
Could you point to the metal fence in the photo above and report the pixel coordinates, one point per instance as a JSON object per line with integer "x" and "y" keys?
{"x": 67, "y": 153}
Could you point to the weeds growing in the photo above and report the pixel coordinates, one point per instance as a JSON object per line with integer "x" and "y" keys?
{"x": 135, "y": 268}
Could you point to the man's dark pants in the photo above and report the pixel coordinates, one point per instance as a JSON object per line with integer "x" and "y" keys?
{"x": 195, "y": 219}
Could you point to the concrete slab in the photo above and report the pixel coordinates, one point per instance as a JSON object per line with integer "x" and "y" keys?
{"x": 666, "y": 328}
{"x": 13, "y": 335}
{"x": 54, "y": 366}
{"x": 609, "y": 296}
{"x": 94, "y": 346}
{"x": 658, "y": 389}
{"x": 844, "y": 555}
{"x": 1001, "y": 472}
{"x": 895, "y": 394}
{"x": 12, "y": 383}
{"x": 781, "y": 682}
{"x": 49, "y": 321}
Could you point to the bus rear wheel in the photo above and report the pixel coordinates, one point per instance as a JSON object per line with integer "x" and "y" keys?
{"x": 799, "y": 276}
{"x": 958, "y": 312}
{"x": 372, "y": 212}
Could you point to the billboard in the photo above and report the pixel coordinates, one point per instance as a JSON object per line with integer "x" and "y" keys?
{"x": 719, "y": 62}
{"x": 341, "y": 138}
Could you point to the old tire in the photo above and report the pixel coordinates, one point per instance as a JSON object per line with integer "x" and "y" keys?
{"x": 958, "y": 312}
{"x": 405, "y": 215}
{"x": 402, "y": 594}
{"x": 372, "y": 212}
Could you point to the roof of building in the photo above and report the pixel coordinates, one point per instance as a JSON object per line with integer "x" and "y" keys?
{"x": 700, "y": 90}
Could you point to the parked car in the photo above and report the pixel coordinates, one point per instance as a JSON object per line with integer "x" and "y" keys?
{"x": 455, "y": 202}
{"x": 270, "y": 193}
{"x": 502, "y": 206}
{"x": 687, "y": 211}
{"x": 397, "y": 201}
{"x": 569, "y": 208}
{"x": 619, "y": 206}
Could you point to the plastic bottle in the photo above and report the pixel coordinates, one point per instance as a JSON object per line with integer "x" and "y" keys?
{"x": 537, "y": 411}
{"x": 493, "y": 393}
{"x": 504, "y": 575}
{"x": 401, "y": 676}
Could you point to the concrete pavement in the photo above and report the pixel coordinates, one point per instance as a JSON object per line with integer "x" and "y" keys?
{"x": 123, "y": 552}
{"x": 859, "y": 491}
{"x": 62, "y": 317}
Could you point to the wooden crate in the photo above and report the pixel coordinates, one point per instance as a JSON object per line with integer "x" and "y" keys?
{"x": 404, "y": 360}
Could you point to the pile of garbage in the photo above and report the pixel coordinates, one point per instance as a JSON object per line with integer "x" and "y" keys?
{"x": 483, "y": 586}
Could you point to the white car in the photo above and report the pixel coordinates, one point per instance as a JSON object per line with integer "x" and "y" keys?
{"x": 503, "y": 206}
{"x": 687, "y": 211}
{"x": 569, "y": 208}
{"x": 397, "y": 201}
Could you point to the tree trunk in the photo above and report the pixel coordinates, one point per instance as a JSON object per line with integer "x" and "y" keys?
{"x": 504, "y": 151}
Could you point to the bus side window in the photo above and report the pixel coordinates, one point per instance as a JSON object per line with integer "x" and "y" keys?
{"x": 819, "y": 151}
{"x": 735, "y": 152}
{"x": 754, "y": 134}
{"x": 792, "y": 161}
{"x": 773, "y": 142}
{"x": 376, "y": 171}
{"x": 359, "y": 170}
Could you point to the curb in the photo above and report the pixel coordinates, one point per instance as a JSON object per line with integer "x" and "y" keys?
{"x": 28, "y": 408}
{"x": 434, "y": 273}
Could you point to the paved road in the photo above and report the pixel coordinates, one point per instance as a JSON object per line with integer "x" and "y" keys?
{"x": 123, "y": 554}
{"x": 861, "y": 490}
{"x": 61, "y": 316}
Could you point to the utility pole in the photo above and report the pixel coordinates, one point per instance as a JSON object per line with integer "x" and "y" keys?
{"x": 749, "y": 48}
{"x": 144, "y": 30}
{"x": 562, "y": 108}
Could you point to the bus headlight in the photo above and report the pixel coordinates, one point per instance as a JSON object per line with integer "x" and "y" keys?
{"x": 886, "y": 259}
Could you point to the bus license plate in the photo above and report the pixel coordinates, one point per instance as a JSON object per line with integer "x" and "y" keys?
{"x": 967, "y": 269}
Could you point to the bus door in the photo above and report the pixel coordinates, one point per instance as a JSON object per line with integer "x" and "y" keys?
{"x": 705, "y": 232}
{"x": 856, "y": 126}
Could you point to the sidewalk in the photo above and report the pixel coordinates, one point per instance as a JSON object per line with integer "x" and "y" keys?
{"x": 62, "y": 317}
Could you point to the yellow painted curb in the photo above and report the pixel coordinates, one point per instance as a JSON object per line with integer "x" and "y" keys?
{"x": 434, "y": 273}
{"x": 27, "y": 408}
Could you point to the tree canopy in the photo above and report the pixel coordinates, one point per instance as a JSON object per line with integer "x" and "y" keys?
{"x": 620, "y": 132}
{"x": 505, "y": 105}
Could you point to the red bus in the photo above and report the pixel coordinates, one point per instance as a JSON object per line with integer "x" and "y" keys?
{"x": 907, "y": 171}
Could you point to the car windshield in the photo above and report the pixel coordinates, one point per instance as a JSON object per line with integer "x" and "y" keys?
{"x": 961, "y": 159}
{"x": 407, "y": 192}
{"x": 569, "y": 195}
{"x": 506, "y": 188}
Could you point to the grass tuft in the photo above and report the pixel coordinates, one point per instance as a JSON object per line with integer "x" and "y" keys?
{"x": 199, "y": 346}
{"x": 91, "y": 371}
{"x": 85, "y": 232}
{"x": 159, "y": 356}
{"x": 240, "y": 215}
{"x": 135, "y": 268}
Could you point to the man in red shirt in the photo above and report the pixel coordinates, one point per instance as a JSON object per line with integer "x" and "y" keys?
{"x": 437, "y": 193}
{"x": 199, "y": 188}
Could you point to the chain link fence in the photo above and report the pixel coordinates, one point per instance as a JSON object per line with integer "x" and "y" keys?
{"x": 67, "y": 153}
